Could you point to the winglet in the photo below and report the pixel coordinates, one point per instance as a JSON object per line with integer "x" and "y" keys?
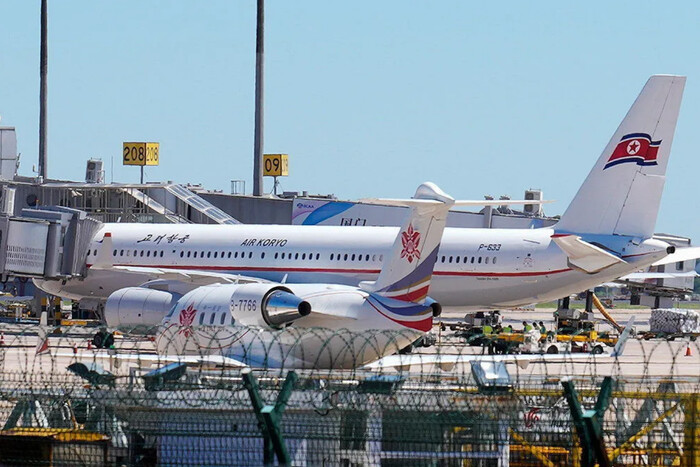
{"x": 622, "y": 340}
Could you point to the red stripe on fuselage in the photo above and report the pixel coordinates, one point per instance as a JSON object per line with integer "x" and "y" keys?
{"x": 340, "y": 271}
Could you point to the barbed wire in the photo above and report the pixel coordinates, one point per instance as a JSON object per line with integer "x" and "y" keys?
{"x": 448, "y": 404}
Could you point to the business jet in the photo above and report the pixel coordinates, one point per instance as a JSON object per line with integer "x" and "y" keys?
{"x": 605, "y": 233}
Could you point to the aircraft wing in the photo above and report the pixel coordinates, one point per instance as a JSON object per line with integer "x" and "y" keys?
{"x": 152, "y": 359}
{"x": 447, "y": 361}
{"x": 681, "y": 254}
{"x": 189, "y": 275}
{"x": 583, "y": 255}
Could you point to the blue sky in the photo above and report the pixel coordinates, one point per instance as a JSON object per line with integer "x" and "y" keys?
{"x": 368, "y": 98}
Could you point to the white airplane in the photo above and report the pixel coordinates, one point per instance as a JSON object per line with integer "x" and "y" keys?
{"x": 604, "y": 234}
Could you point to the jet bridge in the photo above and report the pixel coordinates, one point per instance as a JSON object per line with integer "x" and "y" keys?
{"x": 50, "y": 242}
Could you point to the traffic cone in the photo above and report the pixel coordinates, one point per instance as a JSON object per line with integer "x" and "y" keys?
{"x": 89, "y": 344}
{"x": 688, "y": 353}
{"x": 75, "y": 349}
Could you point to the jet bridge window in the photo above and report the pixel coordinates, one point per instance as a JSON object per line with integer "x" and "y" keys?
{"x": 679, "y": 266}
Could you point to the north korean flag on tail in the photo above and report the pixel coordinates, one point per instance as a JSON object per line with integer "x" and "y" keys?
{"x": 637, "y": 148}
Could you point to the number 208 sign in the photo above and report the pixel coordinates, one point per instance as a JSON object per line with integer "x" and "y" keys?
{"x": 141, "y": 153}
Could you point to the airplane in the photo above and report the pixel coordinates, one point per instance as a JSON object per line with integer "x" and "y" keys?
{"x": 247, "y": 321}
{"x": 605, "y": 233}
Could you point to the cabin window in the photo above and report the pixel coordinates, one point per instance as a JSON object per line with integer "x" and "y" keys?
{"x": 352, "y": 258}
{"x": 211, "y": 319}
{"x": 114, "y": 253}
{"x": 331, "y": 256}
{"x": 201, "y": 318}
{"x": 494, "y": 260}
{"x": 303, "y": 256}
{"x": 235, "y": 255}
{"x": 95, "y": 253}
{"x": 366, "y": 257}
{"x": 229, "y": 254}
{"x": 223, "y": 318}
{"x": 276, "y": 254}
{"x": 479, "y": 260}
{"x": 449, "y": 260}
{"x": 141, "y": 253}
{"x": 374, "y": 257}
{"x": 182, "y": 254}
{"x": 282, "y": 255}
{"x": 457, "y": 259}
{"x": 262, "y": 255}
{"x": 161, "y": 254}
{"x": 472, "y": 261}
{"x": 442, "y": 260}
{"x": 89, "y": 252}
{"x": 250, "y": 255}
{"x": 216, "y": 254}
{"x": 296, "y": 255}
{"x": 188, "y": 254}
{"x": 486, "y": 260}
{"x": 381, "y": 257}
{"x": 318, "y": 255}
{"x": 208, "y": 254}
{"x": 202, "y": 255}
{"x": 346, "y": 257}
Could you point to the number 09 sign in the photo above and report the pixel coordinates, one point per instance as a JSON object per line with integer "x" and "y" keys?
{"x": 141, "y": 153}
{"x": 276, "y": 165}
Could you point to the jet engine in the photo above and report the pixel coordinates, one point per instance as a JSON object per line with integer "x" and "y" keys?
{"x": 249, "y": 304}
{"x": 136, "y": 308}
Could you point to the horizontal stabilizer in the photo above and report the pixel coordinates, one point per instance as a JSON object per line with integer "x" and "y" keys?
{"x": 642, "y": 276}
{"x": 681, "y": 254}
{"x": 464, "y": 202}
{"x": 583, "y": 255}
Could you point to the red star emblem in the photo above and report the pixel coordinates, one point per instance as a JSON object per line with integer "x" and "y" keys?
{"x": 633, "y": 148}
{"x": 186, "y": 318}
{"x": 410, "y": 239}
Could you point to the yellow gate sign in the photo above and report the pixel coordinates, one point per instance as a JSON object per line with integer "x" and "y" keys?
{"x": 276, "y": 165}
{"x": 141, "y": 153}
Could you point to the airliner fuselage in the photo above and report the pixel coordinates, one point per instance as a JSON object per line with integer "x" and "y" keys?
{"x": 475, "y": 267}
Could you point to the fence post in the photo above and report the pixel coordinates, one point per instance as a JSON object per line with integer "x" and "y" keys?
{"x": 691, "y": 431}
{"x": 589, "y": 423}
{"x": 269, "y": 417}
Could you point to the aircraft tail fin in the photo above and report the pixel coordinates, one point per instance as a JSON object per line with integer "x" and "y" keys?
{"x": 407, "y": 270}
{"x": 622, "y": 193}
